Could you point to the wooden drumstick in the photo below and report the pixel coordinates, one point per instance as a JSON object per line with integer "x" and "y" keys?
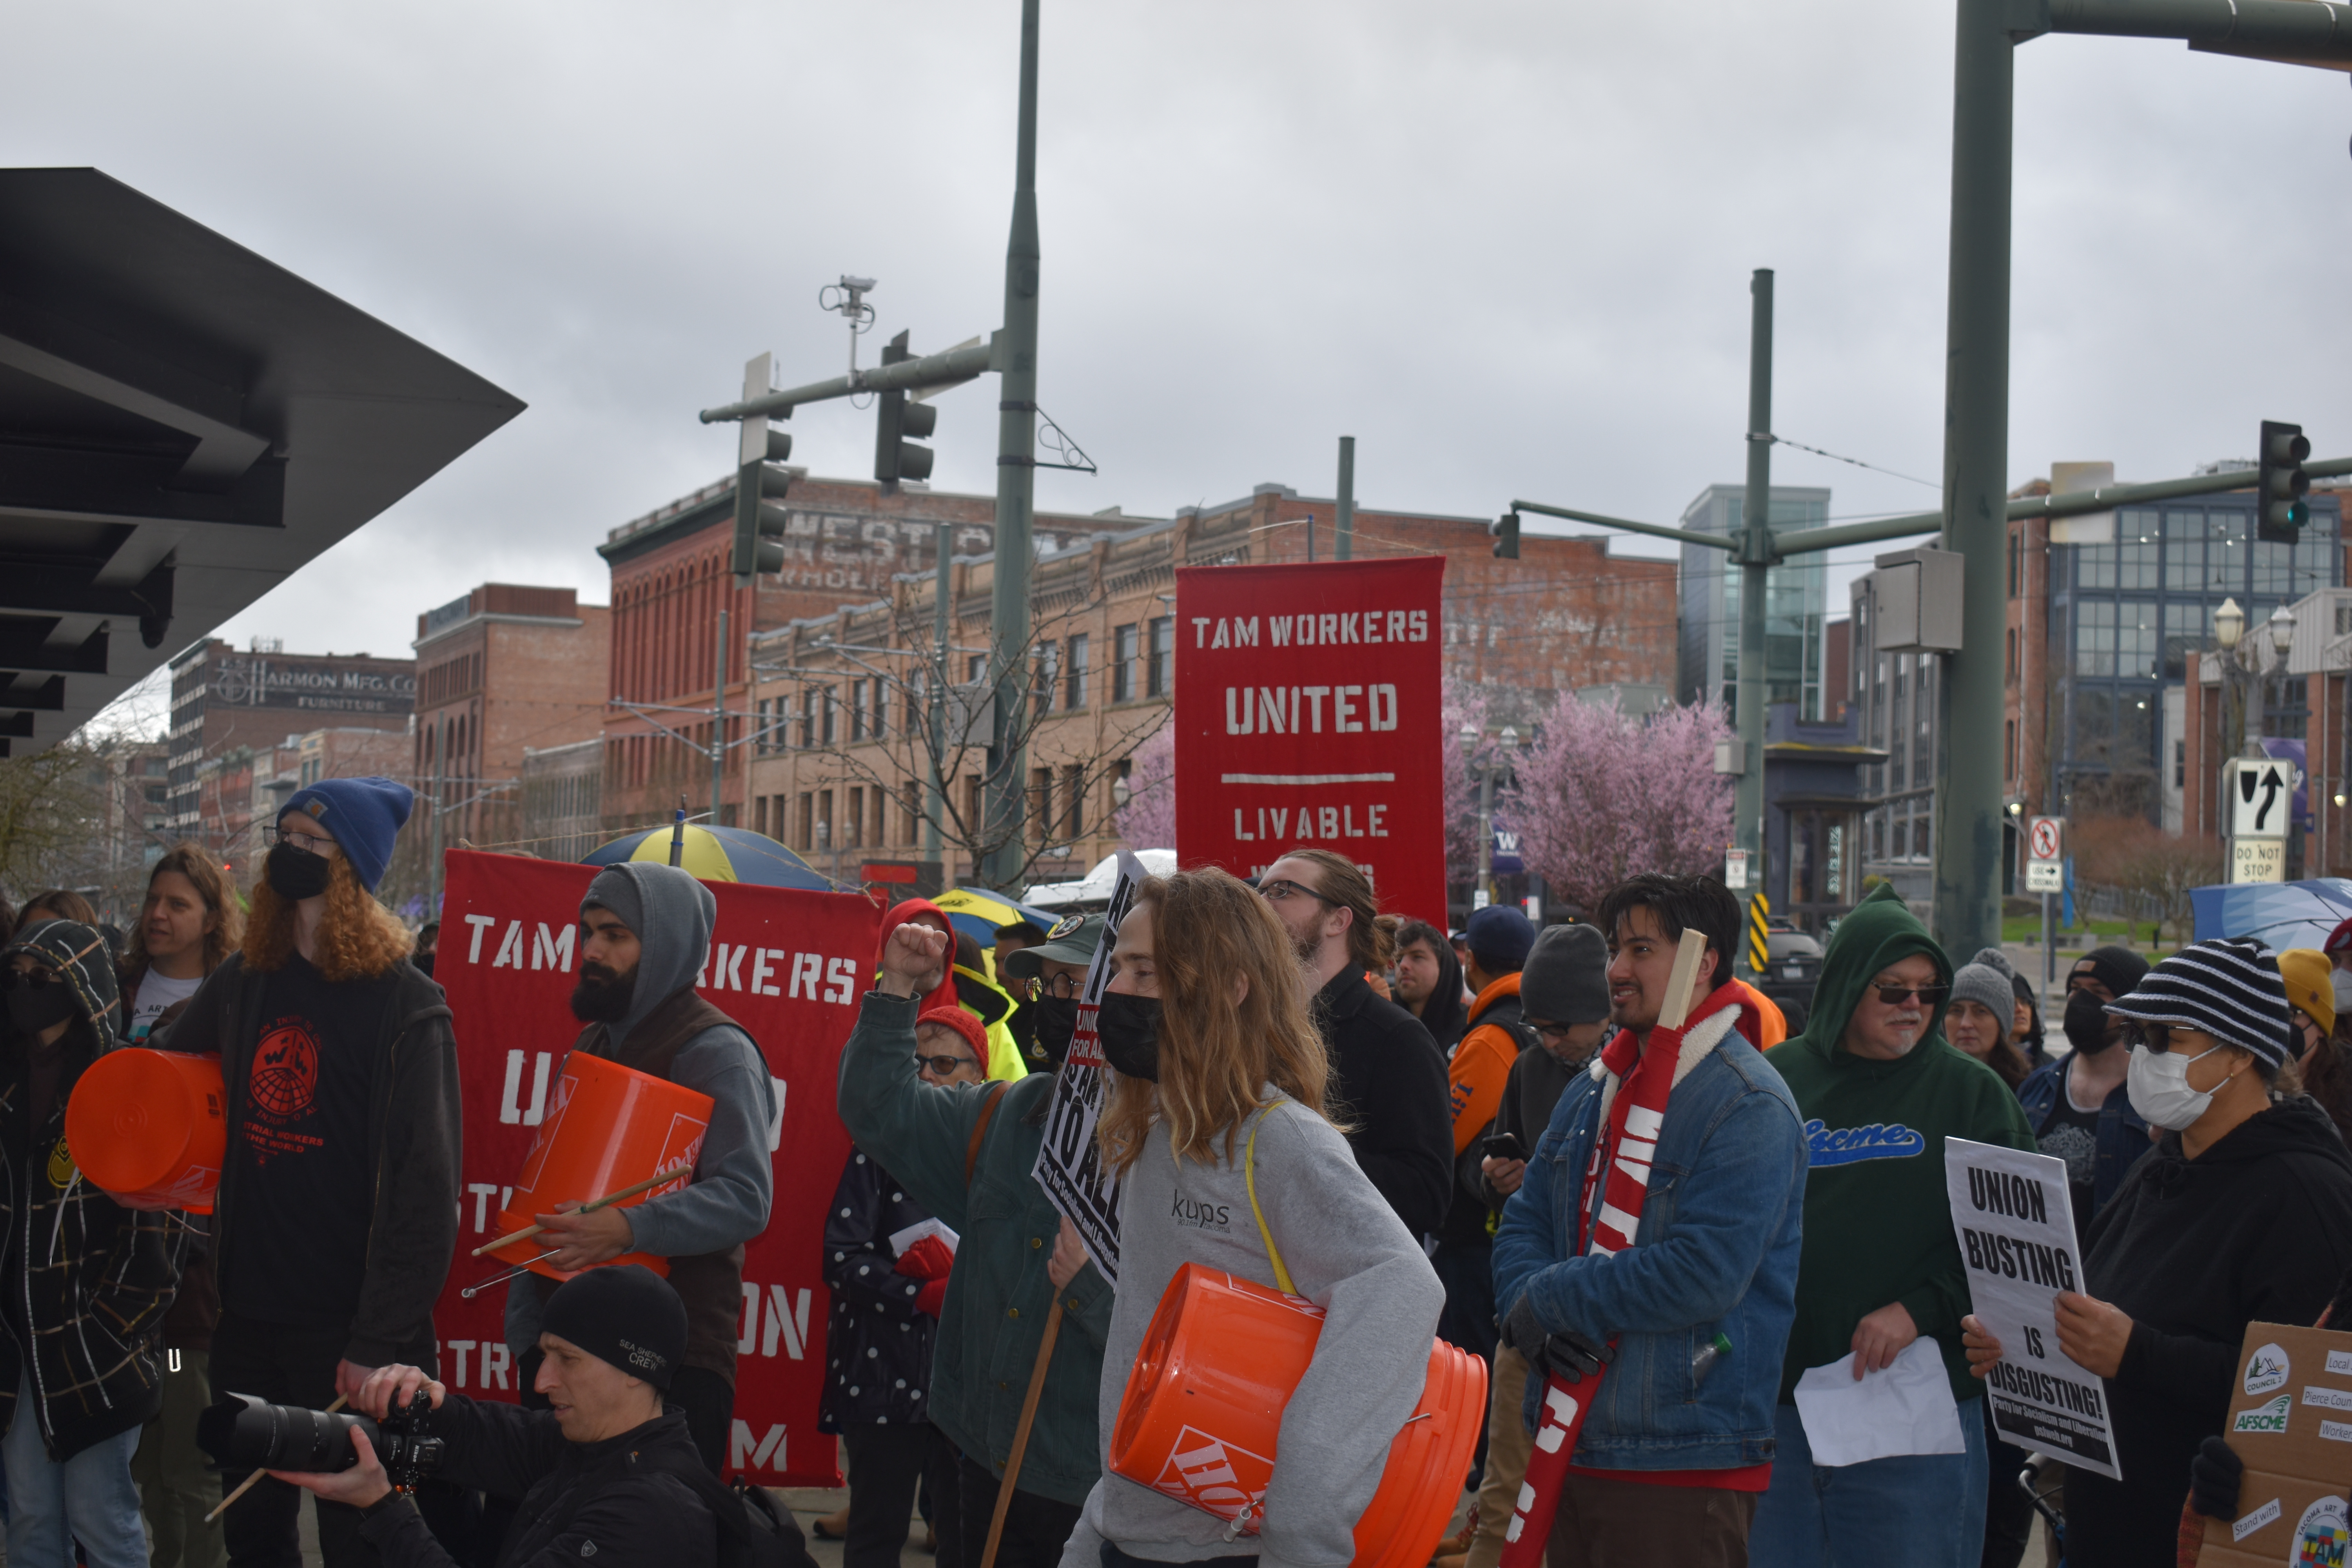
{"x": 1682, "y": 983}
{"x": 605, "y": 1202}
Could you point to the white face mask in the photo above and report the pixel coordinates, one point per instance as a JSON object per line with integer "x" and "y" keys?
{"x": 2157, "y": 1085}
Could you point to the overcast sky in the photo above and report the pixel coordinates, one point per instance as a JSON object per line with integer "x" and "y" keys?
{"x": 1506, "y": 245}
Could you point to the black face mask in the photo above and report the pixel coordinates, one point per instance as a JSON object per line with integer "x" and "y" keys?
{"x": 601, "y": 996}
{"x": 296, "y": 874}
{"x": 34, "y": 1008}
{"x": 2086, "y": 1023}
{"x": 1057, "y": 1020}
{"x": 1129, "y": 1027}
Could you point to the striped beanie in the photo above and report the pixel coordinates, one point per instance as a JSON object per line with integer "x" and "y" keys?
{"x": 2229, "y": 988}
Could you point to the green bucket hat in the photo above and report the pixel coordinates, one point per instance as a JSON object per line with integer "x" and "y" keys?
{"x": 1072, "y": 941}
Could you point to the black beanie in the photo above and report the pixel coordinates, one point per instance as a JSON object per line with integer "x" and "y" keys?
{"x": 2119, "y": 969}
{"x": 624, "y": 1313}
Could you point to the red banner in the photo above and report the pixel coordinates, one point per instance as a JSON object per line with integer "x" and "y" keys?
{"x": 790, "y": 967}
{"x": 1307, "y": 714}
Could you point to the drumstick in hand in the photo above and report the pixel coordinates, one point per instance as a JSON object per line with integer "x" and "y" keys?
{"x": 605, "y": 1202}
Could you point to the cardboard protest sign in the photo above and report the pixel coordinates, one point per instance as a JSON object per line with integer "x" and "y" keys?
{"x": 2015, "y": 1223}
{"x": 790, "y": 967}
{"x": 1070, "y": 1161}
{"x": 1307, "y": 715}
{"x": 2291, "y": 1421}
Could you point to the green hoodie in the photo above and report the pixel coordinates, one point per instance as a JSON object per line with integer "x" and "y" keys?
{"x": 1877, "y": 1226}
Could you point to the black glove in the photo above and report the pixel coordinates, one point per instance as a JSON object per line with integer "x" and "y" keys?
{"x": 2213, "y": 1477}
{"x": 1568, "y": 1356}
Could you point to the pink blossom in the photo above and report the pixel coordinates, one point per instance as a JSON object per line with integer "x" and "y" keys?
{"x": 1602, "y": 796}
{"x": 1148, "y": 820}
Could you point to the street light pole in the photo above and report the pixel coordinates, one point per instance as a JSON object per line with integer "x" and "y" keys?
{"x": 1343, "y": 543}
{"x": 1755, "y": 558}
{"x": 1016, "y": 486}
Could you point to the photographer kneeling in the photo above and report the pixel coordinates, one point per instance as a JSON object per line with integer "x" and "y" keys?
{"x": 606, "y": 1472}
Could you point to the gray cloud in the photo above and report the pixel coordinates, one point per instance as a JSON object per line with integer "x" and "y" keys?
{"x": 1506, "y": 245}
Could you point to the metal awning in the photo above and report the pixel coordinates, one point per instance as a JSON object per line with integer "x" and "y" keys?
{"x": 183, "y": 423}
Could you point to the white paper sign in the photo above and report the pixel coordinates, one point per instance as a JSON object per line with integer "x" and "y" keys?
{"x": 1070, "y": 1161}
{"x": 2016, "y": 1229}
{"x": 1905, "y": 1408}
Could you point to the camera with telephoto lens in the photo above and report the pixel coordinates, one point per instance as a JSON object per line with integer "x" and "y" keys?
{"x": 242, "y": 1433}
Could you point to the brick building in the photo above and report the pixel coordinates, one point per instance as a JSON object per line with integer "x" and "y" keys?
{"x": 225, "y": 698}
{"x": 502, "y": 670}
{"x": 837, "y": 772}
{"x": 670, "y": 580}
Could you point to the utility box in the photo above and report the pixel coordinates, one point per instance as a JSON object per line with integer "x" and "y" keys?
{"x": 1916, "y": 598}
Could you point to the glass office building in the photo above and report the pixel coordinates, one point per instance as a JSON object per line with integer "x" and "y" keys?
{"x": 1707, "y": 662}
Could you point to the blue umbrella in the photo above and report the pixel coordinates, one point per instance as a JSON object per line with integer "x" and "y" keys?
{"x": 2283, "y": 914}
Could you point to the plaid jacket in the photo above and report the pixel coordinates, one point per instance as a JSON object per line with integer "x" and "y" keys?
{"x": 88, "y": 1280}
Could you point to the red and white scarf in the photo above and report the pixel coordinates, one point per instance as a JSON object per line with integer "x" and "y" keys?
{"x": 1609, "y": 1215}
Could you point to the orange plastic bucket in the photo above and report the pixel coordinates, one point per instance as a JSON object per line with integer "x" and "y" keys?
{"x": 150, "y": 1126}
{"x": 607, "y": 1127}
{"x": 1204, "y": 1408}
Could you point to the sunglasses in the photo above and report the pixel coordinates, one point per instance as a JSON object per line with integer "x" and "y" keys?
{"x": 944, "y": 1066}
{"x": 1896, "y": 995}
{"x": 35, "y": 980}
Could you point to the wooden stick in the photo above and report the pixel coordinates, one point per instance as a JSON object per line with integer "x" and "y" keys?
{"x": 1021, "y": 1432}
{"x": 609, "y": 1199}
{"x": 1682, "y": 984}
{"x": 257, "y": 1475}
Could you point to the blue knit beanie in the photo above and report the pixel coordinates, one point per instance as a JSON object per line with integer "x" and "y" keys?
{"x": 364, "y": 815}
{"x": 1500, "y": 938}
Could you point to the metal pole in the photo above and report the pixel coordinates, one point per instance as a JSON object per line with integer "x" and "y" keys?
{"x": 433, "y": 873}
{"x": 1754, "y": 552}
{"x": 1344, "y": 545}
{"x": 718, "y": 721}
{"x": 1487, "y": 830}
{"x": 1976, "y": 464}
{"x": 934, "y": 807}
{"x": 2049, "y": 956}
{"x": 1016, "y": 486}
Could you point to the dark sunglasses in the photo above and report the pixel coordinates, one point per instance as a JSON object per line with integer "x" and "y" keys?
{"x": 1896, "y": 995}
{"x": 943, "y": 1066}
{"x": 36, "y": 980}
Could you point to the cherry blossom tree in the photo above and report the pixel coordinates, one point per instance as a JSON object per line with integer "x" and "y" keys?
{"x": 1603, "y": 795}
{"x": 1148, "y": 820}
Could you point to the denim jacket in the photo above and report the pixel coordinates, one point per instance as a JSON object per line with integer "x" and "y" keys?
{"x": 1716, "y": 1252}
{"x": 2122, "y": 1137}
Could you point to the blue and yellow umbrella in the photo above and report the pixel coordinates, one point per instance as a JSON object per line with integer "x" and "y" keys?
{"x": 716, "y": 854}
{"x": 978, "y": 912}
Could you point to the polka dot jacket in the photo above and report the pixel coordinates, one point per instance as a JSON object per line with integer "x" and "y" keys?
{"x": 878, "y": 1343}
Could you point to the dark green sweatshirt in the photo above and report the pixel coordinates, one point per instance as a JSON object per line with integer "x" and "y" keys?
{"x": 1878, "y": 1227}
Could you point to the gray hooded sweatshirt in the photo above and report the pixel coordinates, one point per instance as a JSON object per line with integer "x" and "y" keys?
{"x": 673, "y": 914}
{"x": 1347, "y": 1253}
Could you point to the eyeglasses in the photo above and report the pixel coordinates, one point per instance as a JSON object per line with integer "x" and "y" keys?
{"x": 317, "y": 843}
{"x": 1062, "y": 987}
{"x": 1551, "y": 1033}
{"x": 31, "y": 980}
{"x": 1896, "y": 995}
{"x": 1277, "y": 891}
{"x": 944, "y": 1066}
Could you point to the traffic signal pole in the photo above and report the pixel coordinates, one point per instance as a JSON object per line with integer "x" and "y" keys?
{"x": 1017, "y": 489}
{"x": 1755, "y": 555}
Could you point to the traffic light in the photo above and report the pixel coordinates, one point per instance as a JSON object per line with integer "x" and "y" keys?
{"x": 758, "y": 523}
{"x": 2281, "y": 484}
{"x": 897, "y": 421}
{"x": 1506, "y": 530}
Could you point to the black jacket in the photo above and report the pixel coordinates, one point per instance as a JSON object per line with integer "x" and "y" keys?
{"x": 1387, "y": 1085}
{"x": 877, "y": 1342}
{"x": 2258, "y": 1228}
{"x": 1537, "y": 1079}
{"x": 415, "y": 1131}
{"x": 613, "y": 1503}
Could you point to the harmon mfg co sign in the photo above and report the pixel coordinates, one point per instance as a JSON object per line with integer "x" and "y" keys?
{"x": 1308, "y": 704}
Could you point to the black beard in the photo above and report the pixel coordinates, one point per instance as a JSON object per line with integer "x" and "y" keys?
{"x": 601, "y": 996}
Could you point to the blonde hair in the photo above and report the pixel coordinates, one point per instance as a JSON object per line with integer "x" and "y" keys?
{"x": 1215, "y": 1053}
{"x": 357, "y": 940}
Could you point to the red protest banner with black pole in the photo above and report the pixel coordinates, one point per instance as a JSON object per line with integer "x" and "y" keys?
{"x": 789, "y": 966}
{"x": 1307, "y": 714}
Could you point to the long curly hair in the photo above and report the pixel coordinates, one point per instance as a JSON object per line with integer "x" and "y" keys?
{"x": 357, "y": 940}
{"x": 225, "y": 926}
{"x": 1216, "y": 1054}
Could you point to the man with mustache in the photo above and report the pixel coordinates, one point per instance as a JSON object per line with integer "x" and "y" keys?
{"x": 644, "y": 932}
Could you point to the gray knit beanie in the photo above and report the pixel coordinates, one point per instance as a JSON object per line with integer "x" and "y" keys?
{"x": 1986, "y": 986}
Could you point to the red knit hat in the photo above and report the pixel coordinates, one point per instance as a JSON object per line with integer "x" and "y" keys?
{"x": 963, "y": 1024}
{"x": 2339, "y": 938}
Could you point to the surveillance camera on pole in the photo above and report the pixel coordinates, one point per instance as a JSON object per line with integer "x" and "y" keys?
{"x": 759, "y": 484}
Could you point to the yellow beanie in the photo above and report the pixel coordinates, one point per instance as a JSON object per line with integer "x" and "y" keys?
{"x": 2305, "y": 973}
